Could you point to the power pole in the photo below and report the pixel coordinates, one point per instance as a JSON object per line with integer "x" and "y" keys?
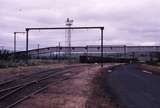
{"x": 59, "y": 44}
{"x": 125, "y": 51}
{"x": 15, "y": 42}
{"x": 102, "y": 28}
{"x": 38, "y": 50}
{"x": 27, "y": 54}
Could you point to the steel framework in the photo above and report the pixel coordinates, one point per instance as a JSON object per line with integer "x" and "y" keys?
{"x": 15, "y": 41}
{"x": 61, "y": 28}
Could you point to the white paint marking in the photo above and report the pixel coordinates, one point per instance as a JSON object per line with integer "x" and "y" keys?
{"x": 109, "y": 70}
{"x": 147, "y": 72}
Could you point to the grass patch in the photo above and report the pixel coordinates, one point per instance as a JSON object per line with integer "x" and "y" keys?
{"x": 11, "y": 63}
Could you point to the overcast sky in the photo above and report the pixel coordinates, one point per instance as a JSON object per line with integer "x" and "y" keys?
{"x": 130, "y": 22}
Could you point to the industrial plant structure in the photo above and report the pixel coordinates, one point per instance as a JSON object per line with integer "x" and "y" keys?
{"x": 140, "y": 53}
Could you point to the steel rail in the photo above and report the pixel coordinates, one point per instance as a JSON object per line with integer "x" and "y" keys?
{"x": 39, "y": 83}
{"x": 31, "y": 82}
{"x": 18, "y": 87}
{"x": 27, "y": 77}
{"x": 34, "y": 93}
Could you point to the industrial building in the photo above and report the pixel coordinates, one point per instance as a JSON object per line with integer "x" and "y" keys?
{"x": 141, "y": 53}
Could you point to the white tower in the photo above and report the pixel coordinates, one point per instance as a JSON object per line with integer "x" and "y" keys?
{"x": 68, "y": 36}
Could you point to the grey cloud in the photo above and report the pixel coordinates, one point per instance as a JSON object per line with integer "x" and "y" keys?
{"x": 125, "y": 22}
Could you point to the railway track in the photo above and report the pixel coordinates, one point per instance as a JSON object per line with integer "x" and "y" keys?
{"x": 15, "y": 81}
{"x": 16, "y": 90}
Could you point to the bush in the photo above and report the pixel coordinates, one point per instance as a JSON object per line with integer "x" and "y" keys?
{"x": 5, "y": 55}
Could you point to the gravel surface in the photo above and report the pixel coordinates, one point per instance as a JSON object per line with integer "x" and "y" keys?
{"x": 9, "y": 73}
{"x": 72, "y": 93}
{"x": 80, "y": 91}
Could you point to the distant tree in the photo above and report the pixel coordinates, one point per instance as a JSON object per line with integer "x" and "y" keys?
{"x": 5, "y": 55}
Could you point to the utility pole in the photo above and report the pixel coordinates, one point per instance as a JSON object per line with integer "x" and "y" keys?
{"x": 50, "y": 50}
{"x": 59, "y": 44}
{"x": 87, "y": 54}
{"x": 102, "y": 28}
{"x": 27, "y": 33}
{"x": 15, "y": 42}
{"x": 125, "y": 50}
{"x": 38, "y": 50}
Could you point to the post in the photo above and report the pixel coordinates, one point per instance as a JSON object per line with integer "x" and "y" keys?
{"x": 59, "y": 51}
{"x": 38, "y": 51}
{"x": 50, "y": 53}
{"x": 102, "y": 28}
{"x": 27, "y": 30}
{"x": 125, "y": 50}
{"x": 87, "y": 54}
{"x": 14, "y": 45}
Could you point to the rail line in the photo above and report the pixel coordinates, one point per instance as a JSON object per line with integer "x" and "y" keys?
{"x": 13, "y": 82}
{"x": 16, "y": 83}
{"x": 11, "y": 94}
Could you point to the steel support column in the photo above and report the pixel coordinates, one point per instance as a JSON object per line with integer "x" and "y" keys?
{"x": 59, "y": 52}
{"x": 14, "y": 44}
{"x": 102, "y": 28}
{"x": 27, "y": 32}
{"x": 58, "y": 28}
